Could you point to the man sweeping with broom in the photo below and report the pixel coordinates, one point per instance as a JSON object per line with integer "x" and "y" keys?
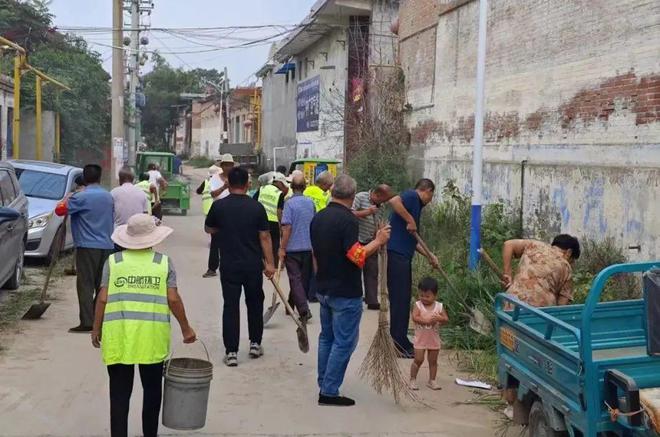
{"x": 339, "y": 259}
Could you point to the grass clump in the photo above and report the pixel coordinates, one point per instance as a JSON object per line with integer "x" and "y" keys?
{"x": 200, "y": 162}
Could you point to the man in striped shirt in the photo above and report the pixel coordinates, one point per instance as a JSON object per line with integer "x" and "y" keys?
{"x": 368, "y": 208}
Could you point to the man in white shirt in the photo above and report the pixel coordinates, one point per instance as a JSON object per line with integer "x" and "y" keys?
{"x": 219, "y": 186}
{"x": 128, "y": 199}
{"x": 157, "y": 179}
{"x": 219, "y": 190}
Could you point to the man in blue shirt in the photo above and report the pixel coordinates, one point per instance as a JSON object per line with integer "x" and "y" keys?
{"x": 92, "y": 225}
{"x": 400, "y": 250}
{"x": 296, "y": 245}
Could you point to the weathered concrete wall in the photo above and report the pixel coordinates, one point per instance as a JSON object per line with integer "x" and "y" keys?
{"x": 383, "y": 44}
{"x": 328, "y": 140}
{"x": 573, "y": 88}
{"x": 278, "y": 118}
{"x": 28, "y": 138}
{"x": 6, "y": 102}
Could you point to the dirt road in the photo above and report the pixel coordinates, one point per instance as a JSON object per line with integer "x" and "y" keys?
{"x": 53, "y": 383}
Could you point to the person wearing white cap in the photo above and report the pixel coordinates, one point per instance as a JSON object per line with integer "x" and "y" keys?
{"x": 204, "y": 189}
{"x": 219, "y": 186}
{"x": 132, "y": 319}
{"x": 219, "y": 190}
{"x": 272, "y": 196}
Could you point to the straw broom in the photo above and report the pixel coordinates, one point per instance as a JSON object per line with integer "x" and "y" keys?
{"x": 380, "y": 366}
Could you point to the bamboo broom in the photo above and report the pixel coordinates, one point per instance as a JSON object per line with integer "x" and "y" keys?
{"x": 380, "y": 366}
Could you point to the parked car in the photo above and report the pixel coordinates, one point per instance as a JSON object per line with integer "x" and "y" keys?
{"x": 13, "y": 227}
{"x": 45, "y": 184}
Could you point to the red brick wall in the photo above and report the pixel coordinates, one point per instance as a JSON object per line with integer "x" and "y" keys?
{"x": 417, "y": 34}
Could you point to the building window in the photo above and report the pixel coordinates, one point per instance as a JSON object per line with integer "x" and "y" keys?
{"x": 237, "y": 129}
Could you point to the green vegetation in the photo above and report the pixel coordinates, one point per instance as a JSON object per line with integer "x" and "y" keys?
{"x": 84, "y": 110}
{"x": 13, "y": 306}
{"x": 200, "y": 162}
{"x": 445, "y": 227}
{"x": 163, "y": 87}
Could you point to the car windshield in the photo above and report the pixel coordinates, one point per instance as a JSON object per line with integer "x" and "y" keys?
{"x": 41, "y": 184}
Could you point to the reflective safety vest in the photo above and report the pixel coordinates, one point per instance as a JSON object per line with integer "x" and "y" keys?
{"x": 269, "y": 197}
{"x": 318, "y": 196}
{"x": 207, "y": 199}
{"x": 136, "y": 323}
{"x": 146, "y": 187}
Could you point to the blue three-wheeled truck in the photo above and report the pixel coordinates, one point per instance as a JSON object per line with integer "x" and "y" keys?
{"x": 585, "y": 370}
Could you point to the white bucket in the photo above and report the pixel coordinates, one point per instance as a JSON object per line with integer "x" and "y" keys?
{"x": 186, "y": 393}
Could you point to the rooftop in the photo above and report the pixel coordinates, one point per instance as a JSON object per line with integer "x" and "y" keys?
{"x": 324, "y": 16}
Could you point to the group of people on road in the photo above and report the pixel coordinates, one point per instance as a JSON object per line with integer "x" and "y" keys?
{"x": 325, "y": 234}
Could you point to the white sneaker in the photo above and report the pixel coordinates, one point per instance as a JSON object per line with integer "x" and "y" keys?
{"x": 256, "y": 350}
{"x": 413, "y": 385}
{"x": 231, "y": 359}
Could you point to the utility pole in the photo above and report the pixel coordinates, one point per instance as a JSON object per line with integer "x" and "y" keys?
{"x": 226, "y": 94}
{"x": 477, "y": 156}
{"x": 117, "y": 87}
{"x": 133, "y": 68}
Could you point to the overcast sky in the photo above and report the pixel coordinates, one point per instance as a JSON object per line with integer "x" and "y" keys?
{"x": 241, "y": 63}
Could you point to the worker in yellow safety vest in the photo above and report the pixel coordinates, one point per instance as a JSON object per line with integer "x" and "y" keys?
{"x": 319, "y": 192}
{"x": 271, "y": 196}
{"x": 205, "y": 189}
{"x": 149, "y": 190}
{"x": 132, "y": 319}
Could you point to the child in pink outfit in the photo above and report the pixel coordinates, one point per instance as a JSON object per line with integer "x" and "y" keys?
{"x": 428, "y": 315}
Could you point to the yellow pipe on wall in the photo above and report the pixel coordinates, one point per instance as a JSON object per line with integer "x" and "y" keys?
{"x": 57, "y": 138}
{"x": 38, "y": 130}
{"x": 18, "y": 61}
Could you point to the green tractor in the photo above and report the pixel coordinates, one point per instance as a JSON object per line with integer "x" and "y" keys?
{"x": 177, "y": 196}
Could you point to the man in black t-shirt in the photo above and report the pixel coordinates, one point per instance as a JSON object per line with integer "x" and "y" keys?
{"x": 244, "y": 245}
{"x": 339, "y": 258}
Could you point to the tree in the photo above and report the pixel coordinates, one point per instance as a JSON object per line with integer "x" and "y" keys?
{"x": 162, "y": 88}
{"x": 85, "y": 114}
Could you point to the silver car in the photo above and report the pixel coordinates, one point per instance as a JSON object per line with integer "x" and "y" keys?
{"x": 45, "y": 184}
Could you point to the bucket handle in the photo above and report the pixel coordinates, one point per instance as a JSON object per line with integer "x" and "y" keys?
{"x": 169, "y": 360}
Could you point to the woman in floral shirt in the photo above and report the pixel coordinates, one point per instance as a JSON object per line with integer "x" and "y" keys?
{"x": 545, "y": 271}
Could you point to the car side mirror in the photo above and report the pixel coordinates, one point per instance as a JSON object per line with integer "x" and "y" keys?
{"x": 8, "y": 214}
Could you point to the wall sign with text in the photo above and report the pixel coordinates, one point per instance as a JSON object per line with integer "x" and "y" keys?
{"x": 307, "y": 103}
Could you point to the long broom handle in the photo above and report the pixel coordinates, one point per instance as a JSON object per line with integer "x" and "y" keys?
{"x": 494, "y": 267}
{"x": 286, "y": 303}
{"x": 428, "y": 252}
{"x": 56, "y": 255}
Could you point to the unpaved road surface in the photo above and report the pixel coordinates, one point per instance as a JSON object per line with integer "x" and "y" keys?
{"x": 53, "y": 383}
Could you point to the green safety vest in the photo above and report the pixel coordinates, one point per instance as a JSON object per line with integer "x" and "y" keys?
{"x": 136, "y": 323}
{"x": 146, "y": 187}
{"x": 207, "y": 199}
{"x": 269, "y": 197}
{"x": 318, "y": 196}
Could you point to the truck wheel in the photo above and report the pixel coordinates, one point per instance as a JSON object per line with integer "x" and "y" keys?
{"x": 184, "y": 212}
{"x": 539, "y": 424}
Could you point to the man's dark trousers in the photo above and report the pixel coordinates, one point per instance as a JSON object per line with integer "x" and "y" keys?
{"x": 299, "y": 271}
{"x": 399, "y": 283}
{"x": 121, "y": 387}
{"x": 370, "y": 279}
{"x": 89, "y": 263}
{"x": 275, "y": 240}
{"x": 214, "y": 252}
{"x": 232, "y": 281}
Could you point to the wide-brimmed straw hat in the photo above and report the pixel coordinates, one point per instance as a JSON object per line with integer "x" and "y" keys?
{"x": 140, "y": 232}
{"x": 214, "y": 169}
{"x": 227, "y": 158}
